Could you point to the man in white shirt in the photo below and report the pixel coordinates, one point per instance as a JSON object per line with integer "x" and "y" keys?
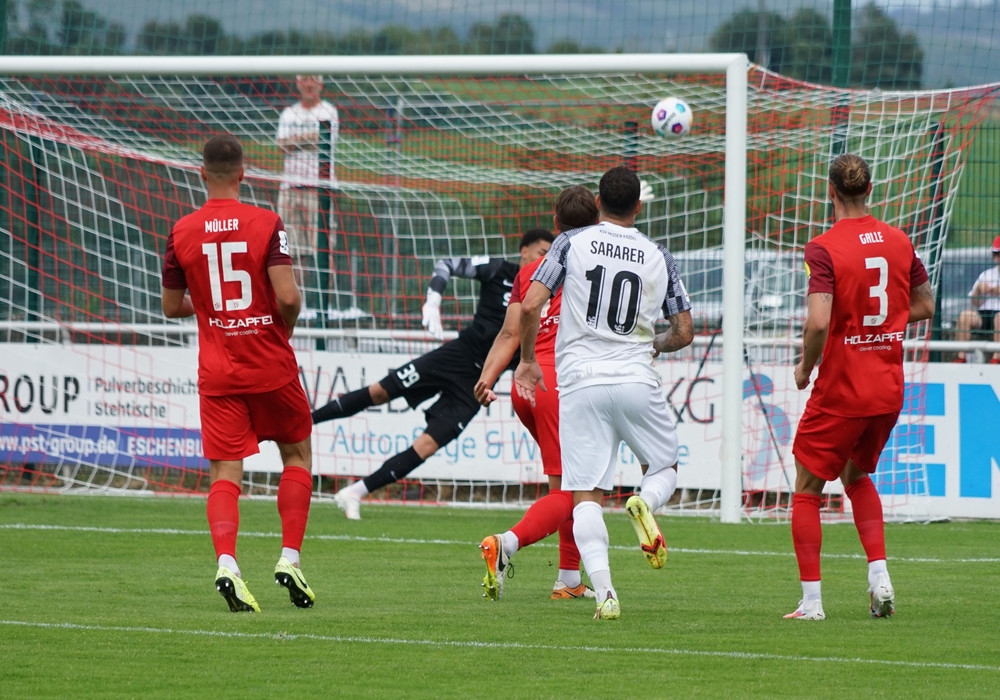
{"x": 616, "y": 283}
{"x": 299, "y": 198}
{"x": 985, "y": 296}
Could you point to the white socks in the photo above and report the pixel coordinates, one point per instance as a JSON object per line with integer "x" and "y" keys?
{"x": 657, "y": 488}
{"x": 510, "y": 543}
{"x": 591, "y": 535}
{"x": 811, "y": 591}
{"x": 229, "y": 562}
{"x": 874, "y": 569}
{"x": 291, "y": 555}
{"x": 358, "y": 488}
{"x": 571, "y": 578}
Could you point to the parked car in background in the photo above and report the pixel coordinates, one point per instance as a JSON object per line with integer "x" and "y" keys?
{"x": 774, "y": 291}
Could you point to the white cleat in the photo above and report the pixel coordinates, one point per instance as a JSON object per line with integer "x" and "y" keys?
{"x": 808, "y": 610}
{"x": 349, "y": 503}
{"x": 882, "y": 597}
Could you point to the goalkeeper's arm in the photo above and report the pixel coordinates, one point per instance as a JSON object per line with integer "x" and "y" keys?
{"x": 444, "y": 269}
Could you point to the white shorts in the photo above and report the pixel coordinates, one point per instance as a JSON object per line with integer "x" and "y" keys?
{"x": 594, "y": 420}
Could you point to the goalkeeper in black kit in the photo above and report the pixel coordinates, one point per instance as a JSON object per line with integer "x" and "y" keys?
{"x": 450, "y": 371}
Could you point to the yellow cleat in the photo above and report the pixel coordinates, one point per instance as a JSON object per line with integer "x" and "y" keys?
{"x": 290, "y": 576}
{"x": 235, "y": 592}
{"x": 650, "y": 538}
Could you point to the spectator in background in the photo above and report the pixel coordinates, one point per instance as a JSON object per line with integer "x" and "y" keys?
{"x": 985, "y": 296}
{"x": 248, "y": 377}
{"x": 299, "y": 196}
{"x": 866, "y": 283}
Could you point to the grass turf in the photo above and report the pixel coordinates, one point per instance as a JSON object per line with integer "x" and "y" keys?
{"x": 114, "y": 597}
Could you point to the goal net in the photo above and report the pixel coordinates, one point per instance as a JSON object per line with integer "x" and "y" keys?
{"x": 98, "y": 389}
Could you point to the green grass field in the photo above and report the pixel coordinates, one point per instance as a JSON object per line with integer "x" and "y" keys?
{"x": 114, "y": 597}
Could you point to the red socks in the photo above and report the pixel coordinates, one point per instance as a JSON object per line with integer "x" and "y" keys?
{"x": 294, "y": 498}
{"x": 223, "y": 512}
{"x": 867, "y": 507}
{"x": 807, "y": 535}
{"x": 569, "y": 555}
{"x": 546, "y": 515}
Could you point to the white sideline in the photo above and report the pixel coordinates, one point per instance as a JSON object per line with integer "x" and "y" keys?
{"x": 338, "y": 639}
{"x": 464, "y": 543}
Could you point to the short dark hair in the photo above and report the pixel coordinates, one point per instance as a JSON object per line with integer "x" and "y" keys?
{"x": 536, "y": 234}
{"x": 619, "y": 190}
{"x": 222, "y": 156}
{"x": 575, "y": 208}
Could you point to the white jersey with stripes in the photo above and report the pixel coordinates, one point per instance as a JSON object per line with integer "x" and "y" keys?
{"x": 617, "y": 284}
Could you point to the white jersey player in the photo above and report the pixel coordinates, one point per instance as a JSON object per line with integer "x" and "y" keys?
{"x": 616, "y": 283}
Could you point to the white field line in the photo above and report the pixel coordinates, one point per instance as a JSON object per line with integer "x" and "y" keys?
{"x": 464, "y": 543}
{"x": 466, "y": 644}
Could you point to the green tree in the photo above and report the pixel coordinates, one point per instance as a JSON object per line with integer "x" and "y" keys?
{"x": 802, "y": 47}
{"x": 810, "y": 47}
{"x": 564, "y": 46}
{"x": 481, "y": 38}
{"x": 512, "y": 34}
{"x": 442, "y": 40}
{"x": 84, "y": 32}
{"x": 394, "y": 39}
{"x": 882, "y": 57}
{"x": 204, "y": 34}
{"x": 752, "y": 33}
{"x": 162, "y": 38}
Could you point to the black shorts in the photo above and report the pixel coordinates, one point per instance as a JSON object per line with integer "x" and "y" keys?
{"x": 986, "y": 319}
{"x": 449, "y": 371}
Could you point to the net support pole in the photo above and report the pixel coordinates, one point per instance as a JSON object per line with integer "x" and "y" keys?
{"x": 733, "y": 235}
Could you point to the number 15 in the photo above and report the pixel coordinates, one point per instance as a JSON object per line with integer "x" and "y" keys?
{"x": 227, "y": 273}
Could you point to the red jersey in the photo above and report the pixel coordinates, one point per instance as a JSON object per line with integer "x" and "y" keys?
{"x": 221, "y": 254}
{"x": 545, "y": 345}
{"x": 869, "y": 267}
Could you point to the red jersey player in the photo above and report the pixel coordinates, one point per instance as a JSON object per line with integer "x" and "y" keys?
{"x": 228, "y": 264}
{"x": 866, "y": 283}
{"x": 575, "y": 208}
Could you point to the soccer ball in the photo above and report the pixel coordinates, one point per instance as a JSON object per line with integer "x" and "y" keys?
{"x": 671, "y": 117}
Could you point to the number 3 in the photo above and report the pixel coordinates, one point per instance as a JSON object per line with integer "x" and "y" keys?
{"x": 878, "y": 291}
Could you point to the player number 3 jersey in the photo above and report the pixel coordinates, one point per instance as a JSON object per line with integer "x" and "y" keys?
{"x": 869, "y": 267}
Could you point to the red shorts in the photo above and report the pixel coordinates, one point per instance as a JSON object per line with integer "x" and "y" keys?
{"x": 542, "y": 421}
{"x": 232, "y": 426}
{"x": 824, "y": 443}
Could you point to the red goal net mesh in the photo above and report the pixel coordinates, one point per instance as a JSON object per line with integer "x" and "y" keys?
{"x": 424, "y": 168}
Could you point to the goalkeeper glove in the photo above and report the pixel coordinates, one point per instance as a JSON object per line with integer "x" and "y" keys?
{"x": 645, "y": 192}
{"x": 432, "y": 314}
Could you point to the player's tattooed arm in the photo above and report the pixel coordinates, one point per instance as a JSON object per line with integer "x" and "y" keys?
{"x": 678, "y": 335}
